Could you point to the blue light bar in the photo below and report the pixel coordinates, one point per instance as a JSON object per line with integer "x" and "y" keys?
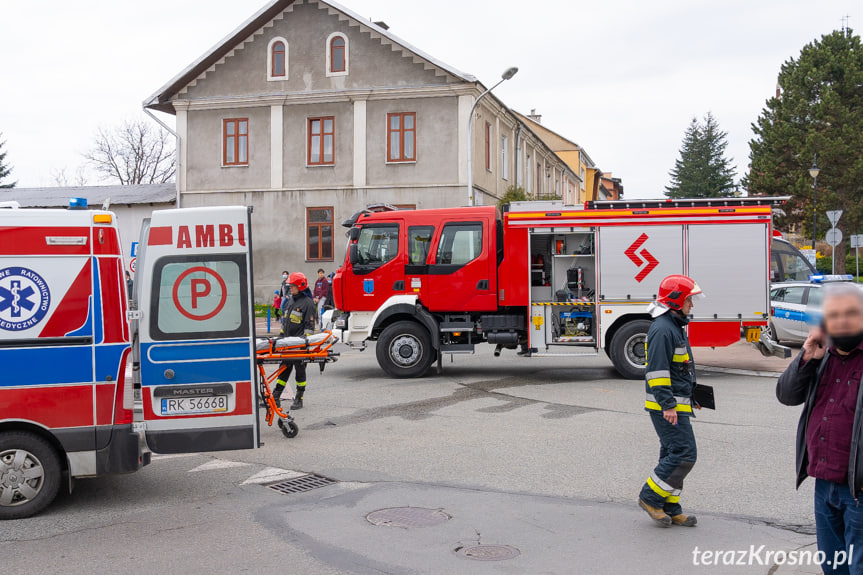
{"x": 77, "y": 203}
{"x": 822, "y": 278}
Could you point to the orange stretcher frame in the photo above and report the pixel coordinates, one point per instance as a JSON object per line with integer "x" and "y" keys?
{"x": 320, "y": 353}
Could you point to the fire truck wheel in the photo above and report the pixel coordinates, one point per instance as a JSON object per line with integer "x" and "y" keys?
{"x": 627, "y": 349}
{"x": 29, "y": 474}
{"x": 404, "y": 349}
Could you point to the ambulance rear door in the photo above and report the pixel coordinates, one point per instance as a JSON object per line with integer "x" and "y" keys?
{"x": 196, "y": 331}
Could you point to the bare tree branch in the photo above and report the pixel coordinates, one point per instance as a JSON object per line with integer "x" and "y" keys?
{"x": 135, "y": 152}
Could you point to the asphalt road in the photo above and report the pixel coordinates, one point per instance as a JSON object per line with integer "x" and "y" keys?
{"x": 542, "y": 455}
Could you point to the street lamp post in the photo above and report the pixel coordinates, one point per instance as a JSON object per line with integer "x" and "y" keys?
{"x": 814, "y": 171}
{"x": 509, "y": 73}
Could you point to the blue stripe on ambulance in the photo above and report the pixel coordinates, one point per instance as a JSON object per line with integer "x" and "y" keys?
{"x": 212, "y": 361}
{"x": 87, "y": 328}
{"x": 108, "y": 357}
{"x": 41, "y": 366}
{"x": 98, "y": 332}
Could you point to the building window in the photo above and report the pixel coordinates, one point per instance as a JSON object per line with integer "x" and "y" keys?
{"x": 338, "y": 54}
{"x": 319, "y": 234}
{"x": 538, "y": 179}
{"x": 504, "y": 160}
{"x": 488, "y": 146}
{"x": 322, "y": 132}
{"x": 401, "y": 137}
{"x": 277, "y": 59}
{"x": 235, "y": 142}
{"x": 528, "y": 183}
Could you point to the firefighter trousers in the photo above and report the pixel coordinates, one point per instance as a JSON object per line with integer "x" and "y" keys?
{"x": 677, "y": 455}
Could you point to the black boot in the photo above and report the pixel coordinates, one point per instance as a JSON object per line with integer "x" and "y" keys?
{"x": 277, "y": 392}
{"x": 298, "y": 399}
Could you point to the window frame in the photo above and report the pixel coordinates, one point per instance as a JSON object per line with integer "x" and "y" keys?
{"x": 451, "y": 267}
{"x": 319, "y": 226}
{"x": 329, "y": 63}
{"x": 401, "y": 131}
{"x": 322, "y": 135}
{"x": 236, "y": 163}
{"x": 271, "y": 76}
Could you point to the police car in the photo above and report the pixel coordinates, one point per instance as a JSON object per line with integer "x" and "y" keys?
{"x": 789, "y": 303}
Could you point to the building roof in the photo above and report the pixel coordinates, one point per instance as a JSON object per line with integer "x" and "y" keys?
{"x": 552, "y": 139}
{"x": 96, "y": 195}
{"x": 160, "y": 100}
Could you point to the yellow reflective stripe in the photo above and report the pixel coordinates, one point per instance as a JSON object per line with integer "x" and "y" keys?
{"x": 680, "y": 358}
{"x": 657, "y": 489}
{"x": 679, "y": 407}
{"x": 673, "y": 499}
{"x": 659, "y": 381}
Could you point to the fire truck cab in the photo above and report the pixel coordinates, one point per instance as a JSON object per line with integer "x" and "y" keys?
{"x": 548, "y": 279}
{"x": 67, "y": 335}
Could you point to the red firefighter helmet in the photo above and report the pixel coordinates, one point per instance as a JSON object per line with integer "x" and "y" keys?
{"x": 674, "y": 290}
{"x": 298, "y": 279}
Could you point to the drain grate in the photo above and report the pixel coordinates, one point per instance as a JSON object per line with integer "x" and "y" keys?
{"x": 488, "y": 552}
{"x": 301, "y": 484}
{"x": 406, "y": 517}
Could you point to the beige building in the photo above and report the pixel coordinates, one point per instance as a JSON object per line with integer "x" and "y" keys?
{"x": 309, "y": 112}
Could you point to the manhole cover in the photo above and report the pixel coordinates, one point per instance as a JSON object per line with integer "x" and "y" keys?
{"x": 407, "y": 517}
{"x": 488, "y": 552}
{"x": 301, "y": 484}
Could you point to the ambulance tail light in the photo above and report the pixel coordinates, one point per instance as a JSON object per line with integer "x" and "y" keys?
{"x": 123, "y": 400}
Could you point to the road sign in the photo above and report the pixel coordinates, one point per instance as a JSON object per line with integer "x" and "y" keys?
{"x": 856, "y": 241}
{"x": 133, "y": 264}
{"x": 834, "y": 216}
{"x": 203, "y": 303}
{"x": 834, "y": 236}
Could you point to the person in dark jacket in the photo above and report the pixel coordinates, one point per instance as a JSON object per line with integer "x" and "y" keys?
{"x": 825, "y": 378}
{"x": 669, "y": 380}
{"x": 297, "y": 321}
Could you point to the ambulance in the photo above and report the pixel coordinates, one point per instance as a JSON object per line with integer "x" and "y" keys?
{"x": 550, "y": 280}
{"x": 68, "y": 337}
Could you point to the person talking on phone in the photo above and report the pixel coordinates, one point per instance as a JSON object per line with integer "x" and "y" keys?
{"x": 669, "y": 381}
{"x": 825, "y": 378}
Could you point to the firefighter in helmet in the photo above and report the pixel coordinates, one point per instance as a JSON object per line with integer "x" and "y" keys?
{"x": 298, "y": 321}
{"x": 670, "y": 378}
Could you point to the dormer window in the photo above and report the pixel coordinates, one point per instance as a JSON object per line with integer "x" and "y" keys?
{"x": 277, "y": 59}
{"x": 337, "y": 55}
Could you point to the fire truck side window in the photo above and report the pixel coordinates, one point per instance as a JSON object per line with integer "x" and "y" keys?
{"x": 199, "y": 298}
{"x": 459, "y": 243}
{"x": 419, "y": 242}
{"x": 378, "y": 244}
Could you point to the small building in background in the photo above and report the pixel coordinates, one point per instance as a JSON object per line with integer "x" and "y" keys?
{"x": 131, "y": 204}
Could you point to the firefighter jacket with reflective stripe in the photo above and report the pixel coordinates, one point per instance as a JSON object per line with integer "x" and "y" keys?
{"x": 670, "y": 374}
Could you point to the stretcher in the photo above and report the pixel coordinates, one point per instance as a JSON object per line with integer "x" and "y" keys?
{"x": 315, "y": 348}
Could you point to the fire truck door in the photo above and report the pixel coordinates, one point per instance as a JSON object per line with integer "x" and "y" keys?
{"x": 634, "y": 259}
{"x": 463, "y": 273}
{"x": 197, "y": 331}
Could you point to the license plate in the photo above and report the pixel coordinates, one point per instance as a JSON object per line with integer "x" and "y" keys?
{"x": 192, "y": 405}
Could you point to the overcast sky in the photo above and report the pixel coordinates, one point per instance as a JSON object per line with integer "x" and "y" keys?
{"x": 622, "y": 78}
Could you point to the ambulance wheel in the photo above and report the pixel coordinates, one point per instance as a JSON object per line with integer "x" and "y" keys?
{"x": 404, "y": 350}
{"x": 29, "y": 474}
{"x": 290, "y": 428}
{"x": 628, "y": 353}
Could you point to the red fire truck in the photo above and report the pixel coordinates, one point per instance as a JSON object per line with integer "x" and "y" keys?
{"x": 66, "y": 407}
{"x": 550, "y": 280}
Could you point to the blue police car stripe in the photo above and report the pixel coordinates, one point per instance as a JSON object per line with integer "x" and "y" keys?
{"x": 791, "y": 314}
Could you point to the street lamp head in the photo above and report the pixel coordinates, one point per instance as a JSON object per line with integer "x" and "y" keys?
{"x": 510, "y": 72}
{"x": 814, "y": 171}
